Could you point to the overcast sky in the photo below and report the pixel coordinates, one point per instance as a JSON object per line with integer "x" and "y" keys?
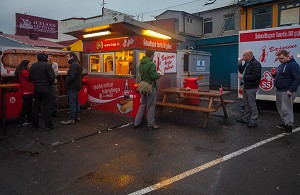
{"x": 63, "y": 9}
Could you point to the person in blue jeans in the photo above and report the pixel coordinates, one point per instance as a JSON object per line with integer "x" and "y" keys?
{"x": 73, "y": 85}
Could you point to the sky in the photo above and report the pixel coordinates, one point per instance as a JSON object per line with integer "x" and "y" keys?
{"x": 63, "y": 9}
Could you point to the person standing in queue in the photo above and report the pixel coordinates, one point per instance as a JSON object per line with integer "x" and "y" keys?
{"x": 43, "y": 77}
{"x": 147, "y": 70}
{"x": 250, "y": 75}
{"x": 73, "y": 85}
{"x": 26, "y": 89}
{"x": 287, "y": 81}
{"x": 54, "y": 65}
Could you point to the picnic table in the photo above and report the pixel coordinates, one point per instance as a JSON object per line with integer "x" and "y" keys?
{"x": 214, "y": 100}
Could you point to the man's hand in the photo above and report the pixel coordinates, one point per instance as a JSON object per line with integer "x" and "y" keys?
{"x": 160, "y": 72}
{"x": 240, "y": 75}
{"x": 289, "y": 93}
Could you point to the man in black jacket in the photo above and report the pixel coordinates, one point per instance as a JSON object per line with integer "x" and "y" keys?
{"x": 43, "y": 77}
{"x": 250, "y": 75}
{"x": 73, "y": 85}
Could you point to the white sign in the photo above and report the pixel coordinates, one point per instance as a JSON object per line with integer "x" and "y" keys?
{"x": 166, "y": 62}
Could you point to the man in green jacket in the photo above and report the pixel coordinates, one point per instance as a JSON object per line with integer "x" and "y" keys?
{"x": 147, "y": 70}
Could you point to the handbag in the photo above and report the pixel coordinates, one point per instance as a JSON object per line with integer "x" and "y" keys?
{"x": 144, "y": 87}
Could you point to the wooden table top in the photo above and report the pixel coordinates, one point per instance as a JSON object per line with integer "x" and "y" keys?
{"x": 9, "y": 85}
{"x": 213, "y": 93}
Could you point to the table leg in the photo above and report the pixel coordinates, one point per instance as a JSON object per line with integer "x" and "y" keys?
{"x": 3, "y": 112}
{"x": 224, "y": 107}
{"x": 207, "y": 115}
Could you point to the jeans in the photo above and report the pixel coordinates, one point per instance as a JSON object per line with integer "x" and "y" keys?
{"x": 73, "y": 104}
{"x": 251, "y": 112}
{"x": 54, "y": 98}
{"x": 26, "y": 108}
{"x": 38, "y": 99}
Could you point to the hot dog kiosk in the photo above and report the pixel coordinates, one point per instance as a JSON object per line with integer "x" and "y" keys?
{"x": 112, "y": 50}
{"x": 10, "y": 58}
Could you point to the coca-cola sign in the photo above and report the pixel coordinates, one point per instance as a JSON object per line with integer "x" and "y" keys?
{"x": 26, "y": 24}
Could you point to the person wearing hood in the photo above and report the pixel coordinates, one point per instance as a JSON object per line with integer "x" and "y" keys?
{"x": 73, "y": 85}
{"x": 43, "y": 77}
{"x": 287, "y": 80}
{"x": 147, "y": 70}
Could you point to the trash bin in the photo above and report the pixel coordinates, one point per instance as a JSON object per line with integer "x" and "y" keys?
{"x": 136, "y": 100}
{"x": 193, "y": 84}
{"x": 83, "y": 95}
{"x": 13, "y": 103}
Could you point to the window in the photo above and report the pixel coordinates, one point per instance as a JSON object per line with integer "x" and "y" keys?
{"x": 124, "y": 63}
{"x": 189, "y": 20}
{"x": 229, "y": 22}
{"x": 207, "y": 26}
{"x": 108, "y": 63}
{"x": 262, "y": 17}
{"x": 289, "y": 13}
{"x": 95, "y": 63}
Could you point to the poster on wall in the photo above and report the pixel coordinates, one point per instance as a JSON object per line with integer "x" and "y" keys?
{"x": 265, "y": 44}
{"x": 111, "y": 94}
{"x": 166, "y": 62}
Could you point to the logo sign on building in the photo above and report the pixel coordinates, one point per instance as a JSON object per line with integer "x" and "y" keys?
{"x": 26, "y": 24}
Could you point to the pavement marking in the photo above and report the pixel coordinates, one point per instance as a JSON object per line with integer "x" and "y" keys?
{"x": 207, "y": 165}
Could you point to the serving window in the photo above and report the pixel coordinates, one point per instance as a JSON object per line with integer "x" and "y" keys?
{"x": 124, "y": 62}
{"x": 94, "y": 63}
{"x": 114, "y": 63}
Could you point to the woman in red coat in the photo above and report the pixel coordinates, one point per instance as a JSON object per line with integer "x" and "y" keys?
{"x": 26, "y": 89}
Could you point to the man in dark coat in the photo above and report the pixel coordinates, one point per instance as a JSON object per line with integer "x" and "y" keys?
{"x": 73, "y": 85}
{"x": 43, "y": 77}
{"x": 250, "y": 75}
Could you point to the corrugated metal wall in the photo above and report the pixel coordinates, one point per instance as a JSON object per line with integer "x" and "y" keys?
{"x": 224, "y": 55}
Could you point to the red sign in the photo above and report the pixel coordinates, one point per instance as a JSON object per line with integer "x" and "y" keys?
{"x": 270, "y": 35}
{"x": 26, "y": 24}
{"x": 134, "y": 42}
{"x": 111, "y": 94}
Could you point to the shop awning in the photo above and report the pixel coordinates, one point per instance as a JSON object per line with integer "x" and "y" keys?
{"x": 119, "y": 26}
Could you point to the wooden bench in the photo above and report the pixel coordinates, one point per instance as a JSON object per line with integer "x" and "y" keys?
{"x": 217, "y": 100}
{"x": 207, "y": 111}
{"x": 187, "y": 107}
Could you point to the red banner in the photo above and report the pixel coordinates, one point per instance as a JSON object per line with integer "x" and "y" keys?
{"x": 26, "y": 24}
{"x": 270, "y": 35}
{"x": 134, "y": 42}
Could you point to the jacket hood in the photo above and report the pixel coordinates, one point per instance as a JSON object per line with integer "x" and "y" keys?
{"x": 145, "y": 60}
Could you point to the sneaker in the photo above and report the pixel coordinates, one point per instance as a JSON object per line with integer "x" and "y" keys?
{"x": 240, "y": 120}
{"x": 77, "y": 119}
{"x": 288, "y": 130}
{"x": 152, "y": 128}
{"x": 68, "y": 122}
{"x": 281, "y": 126}
{"x": 251, "y": 125}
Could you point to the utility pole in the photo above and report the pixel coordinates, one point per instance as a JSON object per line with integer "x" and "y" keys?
{"x": 103, "y": 3}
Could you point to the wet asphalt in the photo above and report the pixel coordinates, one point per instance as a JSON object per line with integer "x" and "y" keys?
{"x": 103, "y": 154}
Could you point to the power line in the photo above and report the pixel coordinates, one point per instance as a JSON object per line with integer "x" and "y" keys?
{"x": 169, "y": 7}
